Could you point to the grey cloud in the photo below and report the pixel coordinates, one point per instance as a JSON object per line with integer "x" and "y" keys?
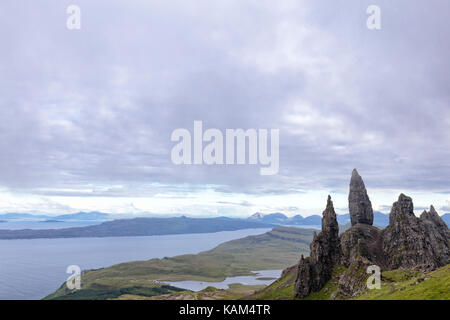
{"x": 242, "y": 203}
{"x": 385, "y": 208}
{"x": 421, "y": 208}
{"x": 97, "y": 106}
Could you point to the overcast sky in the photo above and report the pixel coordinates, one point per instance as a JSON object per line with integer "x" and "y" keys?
{"x": 86, "y": 115}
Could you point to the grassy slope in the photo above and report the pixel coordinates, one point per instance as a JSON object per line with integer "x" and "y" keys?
{"x": 276, "y": 249}
{"x": 234, "y": 292}
{"x": 409, "y": 285}
{"x": 396, "y": 285}
{"x": 282, "y": 289}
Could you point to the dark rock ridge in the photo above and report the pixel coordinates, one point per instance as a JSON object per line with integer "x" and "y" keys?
{"x": 315, "y": 270}
{"x": 359, "y": 203}
{"x": 407, "y": 242}
{"x": 415, "y": 243}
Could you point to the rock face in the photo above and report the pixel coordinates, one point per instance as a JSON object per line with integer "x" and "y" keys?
{"x": 362, "y": 242}
{"x": 433, "y": 217}
{"x": 359, "y": 203}
{"x": 315, "y": 270}
{"x": 407, "y": 242}
{"x": 362, "y": 246}
{"x": 415, "y": 243}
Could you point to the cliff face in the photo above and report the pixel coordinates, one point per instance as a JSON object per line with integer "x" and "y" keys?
{"x": 362, "y": 241}
{"x": 415, "y": 243}
{"x": 408, "y": 242}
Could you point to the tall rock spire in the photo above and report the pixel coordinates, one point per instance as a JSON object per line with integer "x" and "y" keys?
{"x": 315, "y": 270}
{"x": 329, "y": 221}
{"x": 358, "y": 201}
{"x": 326, "y": 248}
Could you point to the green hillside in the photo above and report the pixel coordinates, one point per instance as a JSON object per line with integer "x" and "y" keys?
{"x": 276, "y": 249}
{"x": 403, "y": 285}
{"x": 395, "y": 285}
{"x": 281, "y": 289}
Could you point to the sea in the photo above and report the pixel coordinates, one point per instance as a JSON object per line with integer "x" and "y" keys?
{"x": 32, "y": 269}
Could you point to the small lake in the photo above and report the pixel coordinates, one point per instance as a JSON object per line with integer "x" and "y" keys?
{"x": 248, "y": 280}
{"x": 32, "y": 269}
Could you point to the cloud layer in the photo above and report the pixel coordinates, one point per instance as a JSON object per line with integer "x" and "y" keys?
{"x": 90, "y": 112}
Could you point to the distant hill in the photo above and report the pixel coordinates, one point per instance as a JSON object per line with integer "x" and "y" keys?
{"x": 274, "y": 218}
{"x": 23, "y": 216}
{"x": 139, "y": 227}
{"x": 446, "y": 218}
{"x": 380, "y": 219}
{"x": 281, "y": 219}
{"x": 84, "y": 216}
{"x": 343, "y": 219}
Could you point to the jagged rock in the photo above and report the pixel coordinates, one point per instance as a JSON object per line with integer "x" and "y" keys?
{"x": 359, "y": 203}
{"x": 438, "y": 236}
{"x": 415, "y": 243}
{"x": 362, "y": 241}
{"x": 361, "y": 246}
{"x": 315, "y": 271}
{"x": 305, "y": 283}
{"x": 433, "y": 217}
{"x": 407, "y": 242}
{"x": 352, "y": 282}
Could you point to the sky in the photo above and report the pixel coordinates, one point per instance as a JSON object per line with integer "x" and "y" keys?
{"x": 86, "y": 115}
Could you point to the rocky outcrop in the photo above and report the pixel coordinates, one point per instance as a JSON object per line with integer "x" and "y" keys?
{"x": 359, "y": 203}
{"x": 415, "y": 243}
{"x": 352, "y": 282}
{"x": 316, "y": 270}
{"x": 362, "y": 242}
{"x": 407, "y": 242}
{"x": 433, "y": 217}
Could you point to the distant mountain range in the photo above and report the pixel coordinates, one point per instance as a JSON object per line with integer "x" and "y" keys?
{"x": 276, "y": 218}
{"x": 139, "y": 227}
{"x": 380, "y": 219}
{"x": 160, "y": 226}
{"x": 280, "y": 219}
{"x": 80, "y": 216}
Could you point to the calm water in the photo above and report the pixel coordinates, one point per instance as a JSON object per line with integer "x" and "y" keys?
{"x": 32, "y": 269}
{"x": 249, "y": 280}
